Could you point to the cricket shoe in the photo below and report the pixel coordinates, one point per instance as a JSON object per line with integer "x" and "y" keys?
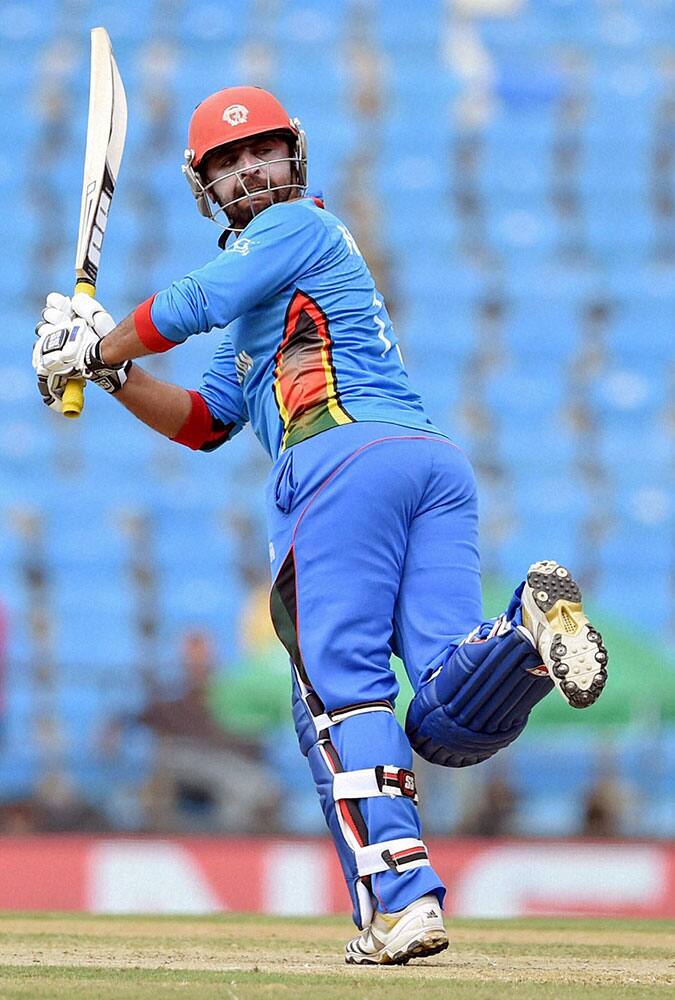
{"x": 570, "y": 647}
{"x": 395, "y": 938}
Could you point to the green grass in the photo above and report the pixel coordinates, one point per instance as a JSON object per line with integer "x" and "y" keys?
{"x": 237, "y": 957}
{"x": 136, "y": 984}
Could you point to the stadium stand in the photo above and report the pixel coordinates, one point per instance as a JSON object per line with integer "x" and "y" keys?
{"x": 509, "y": 170}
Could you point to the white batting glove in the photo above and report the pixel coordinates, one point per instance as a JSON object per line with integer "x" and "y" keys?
{"x": 51, "y": 389}
{"x": 59, "y": 347}
{"x": 56, "y": 315}
{"x": 57, "y": 311}
{"x": 51, "y": 331}
{"x": 68, "y": 345}
{"x": 109, "y": 377}
{"x": 93, "y": 313}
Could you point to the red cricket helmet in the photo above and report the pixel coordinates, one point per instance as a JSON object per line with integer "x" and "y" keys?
{"x": 231, "y": 115}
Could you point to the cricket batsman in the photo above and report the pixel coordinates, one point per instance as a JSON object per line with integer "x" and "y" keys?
{"x": 371, "y": 509}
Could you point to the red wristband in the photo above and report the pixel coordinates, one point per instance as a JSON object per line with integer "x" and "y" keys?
{"x": 147, "y": 332}
{"x": 201, "y": 430}
{"x": 197, "y": 427}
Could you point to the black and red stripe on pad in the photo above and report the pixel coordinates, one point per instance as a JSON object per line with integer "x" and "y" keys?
{"x": 348, "y": 808}
{"x": 400, "y": 859}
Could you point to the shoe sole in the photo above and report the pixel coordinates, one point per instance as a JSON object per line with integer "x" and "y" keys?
{"x": 428, "y": 943}
{"x": 578, "y": 659}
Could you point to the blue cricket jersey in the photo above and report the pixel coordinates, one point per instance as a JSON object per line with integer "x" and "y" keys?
{"x": 307, "y": 343}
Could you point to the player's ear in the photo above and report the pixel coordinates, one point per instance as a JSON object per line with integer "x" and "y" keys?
{"x": 206, "y": 179}
{"x": 205, "y": 170}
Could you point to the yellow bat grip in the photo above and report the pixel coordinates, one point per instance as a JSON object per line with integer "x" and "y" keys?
{"x": 73, "y": 394}
{"x": 73, "y": 397}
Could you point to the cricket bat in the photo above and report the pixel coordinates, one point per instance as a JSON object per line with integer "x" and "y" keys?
{"x": 106, "y": 132}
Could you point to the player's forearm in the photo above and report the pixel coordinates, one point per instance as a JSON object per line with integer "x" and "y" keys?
{"x": 160, "y": 405}
{"x": 123, "y": 343}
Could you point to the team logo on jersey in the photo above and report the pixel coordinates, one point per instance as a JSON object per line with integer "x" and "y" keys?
{"x": 242, "y": 246}
{"x": 236, "y": 114}
{"x": 243, "y": 364}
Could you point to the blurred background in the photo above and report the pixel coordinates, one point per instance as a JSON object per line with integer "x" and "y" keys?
{"x": 508, "y": 169}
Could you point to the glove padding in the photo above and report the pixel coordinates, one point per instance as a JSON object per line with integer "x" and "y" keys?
{"x": 51, "y": 388}
{"x": 68, "y": 346}
{"x": 109, "y": 377}
{"x": 50, "y": 331}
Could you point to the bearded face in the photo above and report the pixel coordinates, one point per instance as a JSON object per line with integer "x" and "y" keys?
{"x": 245, "y": 178}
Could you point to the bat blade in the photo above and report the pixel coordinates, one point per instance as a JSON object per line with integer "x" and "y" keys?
{"x": 106, "y": 132}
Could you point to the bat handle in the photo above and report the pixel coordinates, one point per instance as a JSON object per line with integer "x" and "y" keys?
{"x": 73, "y": 398}
{"x": 73, "y": 394}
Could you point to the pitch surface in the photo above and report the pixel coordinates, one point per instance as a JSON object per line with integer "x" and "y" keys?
{"x": 237, "y": 957}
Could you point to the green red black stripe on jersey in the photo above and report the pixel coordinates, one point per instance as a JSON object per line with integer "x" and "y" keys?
{"x": 305, "y": 381}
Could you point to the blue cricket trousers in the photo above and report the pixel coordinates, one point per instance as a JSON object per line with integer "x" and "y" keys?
{"x": 374, "y": 549}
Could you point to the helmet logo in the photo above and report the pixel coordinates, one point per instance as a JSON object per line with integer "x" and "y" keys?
{"x": 236, "y": 114}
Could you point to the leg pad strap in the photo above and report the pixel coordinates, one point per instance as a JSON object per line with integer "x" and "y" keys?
{"x": 385, "y": 779}
{"x": 311, "y": 719}
{"x": 394, "y": 855}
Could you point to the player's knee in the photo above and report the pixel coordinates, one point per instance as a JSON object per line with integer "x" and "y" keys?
{"x": 479, "y": 701}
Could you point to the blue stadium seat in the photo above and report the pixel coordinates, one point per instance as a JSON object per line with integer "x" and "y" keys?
{"x": 539, "y": 327}
{"x": 514, "y": 392}
{"x": 642, "y": 332}
{"x": 635, "y": 597}
{"x": 96, "y": 645}
{"x": 627, "y": 461}
{"x": 445, "y": 333}
{"x": 540, "y": 456}
{"x": 397, "y": 30}
{"x": 582, "y": 761}
{"x": 550, "y": 815}
{"x": 300, "y": 809}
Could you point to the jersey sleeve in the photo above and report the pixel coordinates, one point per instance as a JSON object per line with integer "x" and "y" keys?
{"x": 218, "y": 409}
{"x": 278, "y": 246}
